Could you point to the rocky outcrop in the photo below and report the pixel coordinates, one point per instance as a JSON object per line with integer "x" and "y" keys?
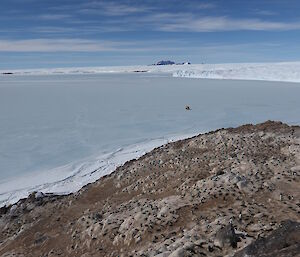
{"x": 283, "y": 242}
{"x": 217, "y": 194}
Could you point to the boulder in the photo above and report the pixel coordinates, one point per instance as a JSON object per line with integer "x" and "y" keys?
{"x": 226, "y": 237}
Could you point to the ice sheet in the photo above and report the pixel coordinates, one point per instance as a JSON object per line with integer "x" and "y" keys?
{"x": 289, "y": 72}
{"x": 284, "y": 71}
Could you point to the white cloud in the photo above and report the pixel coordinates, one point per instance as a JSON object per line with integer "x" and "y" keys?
{"x": 212, "y": 24}
{"x": 53, "y": 29}
{"x": 57, "y": 45}
{"x": 80, "y": 45}
{"x": 205, "y": 6}
{"x": 54, "y": 16}
{"x": 112, "y": 9}
{"x": 265, "y": 13}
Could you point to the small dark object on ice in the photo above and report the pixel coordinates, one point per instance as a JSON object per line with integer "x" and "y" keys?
{"x": 188, "y": 108}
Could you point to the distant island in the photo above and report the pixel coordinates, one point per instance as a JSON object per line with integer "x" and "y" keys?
{"x": 168, "y": 62}
{"x": 7, "y": 73}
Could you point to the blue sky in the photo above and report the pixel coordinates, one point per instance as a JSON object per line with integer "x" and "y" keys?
{"x": 68, "y": 33}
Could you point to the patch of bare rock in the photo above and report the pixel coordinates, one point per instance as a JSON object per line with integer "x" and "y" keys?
{"x": 232, "y": 192}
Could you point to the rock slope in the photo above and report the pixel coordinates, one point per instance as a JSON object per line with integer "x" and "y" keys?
{"x": 224, "y": 193}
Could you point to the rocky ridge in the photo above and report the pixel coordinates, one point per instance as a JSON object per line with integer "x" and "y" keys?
{"x": 224, "y": 193}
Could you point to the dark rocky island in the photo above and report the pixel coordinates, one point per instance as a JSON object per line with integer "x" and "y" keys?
{"x": 170, "y": 63}
{"x": 165, "y": 63}
{"x": 232, "y": 192}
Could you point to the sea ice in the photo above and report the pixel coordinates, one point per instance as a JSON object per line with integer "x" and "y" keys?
{"x": 60, "y": 132}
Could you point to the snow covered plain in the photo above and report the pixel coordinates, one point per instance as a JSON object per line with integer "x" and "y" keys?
{"x": 288, "y": 71}
{"x": 60, "y": 132}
